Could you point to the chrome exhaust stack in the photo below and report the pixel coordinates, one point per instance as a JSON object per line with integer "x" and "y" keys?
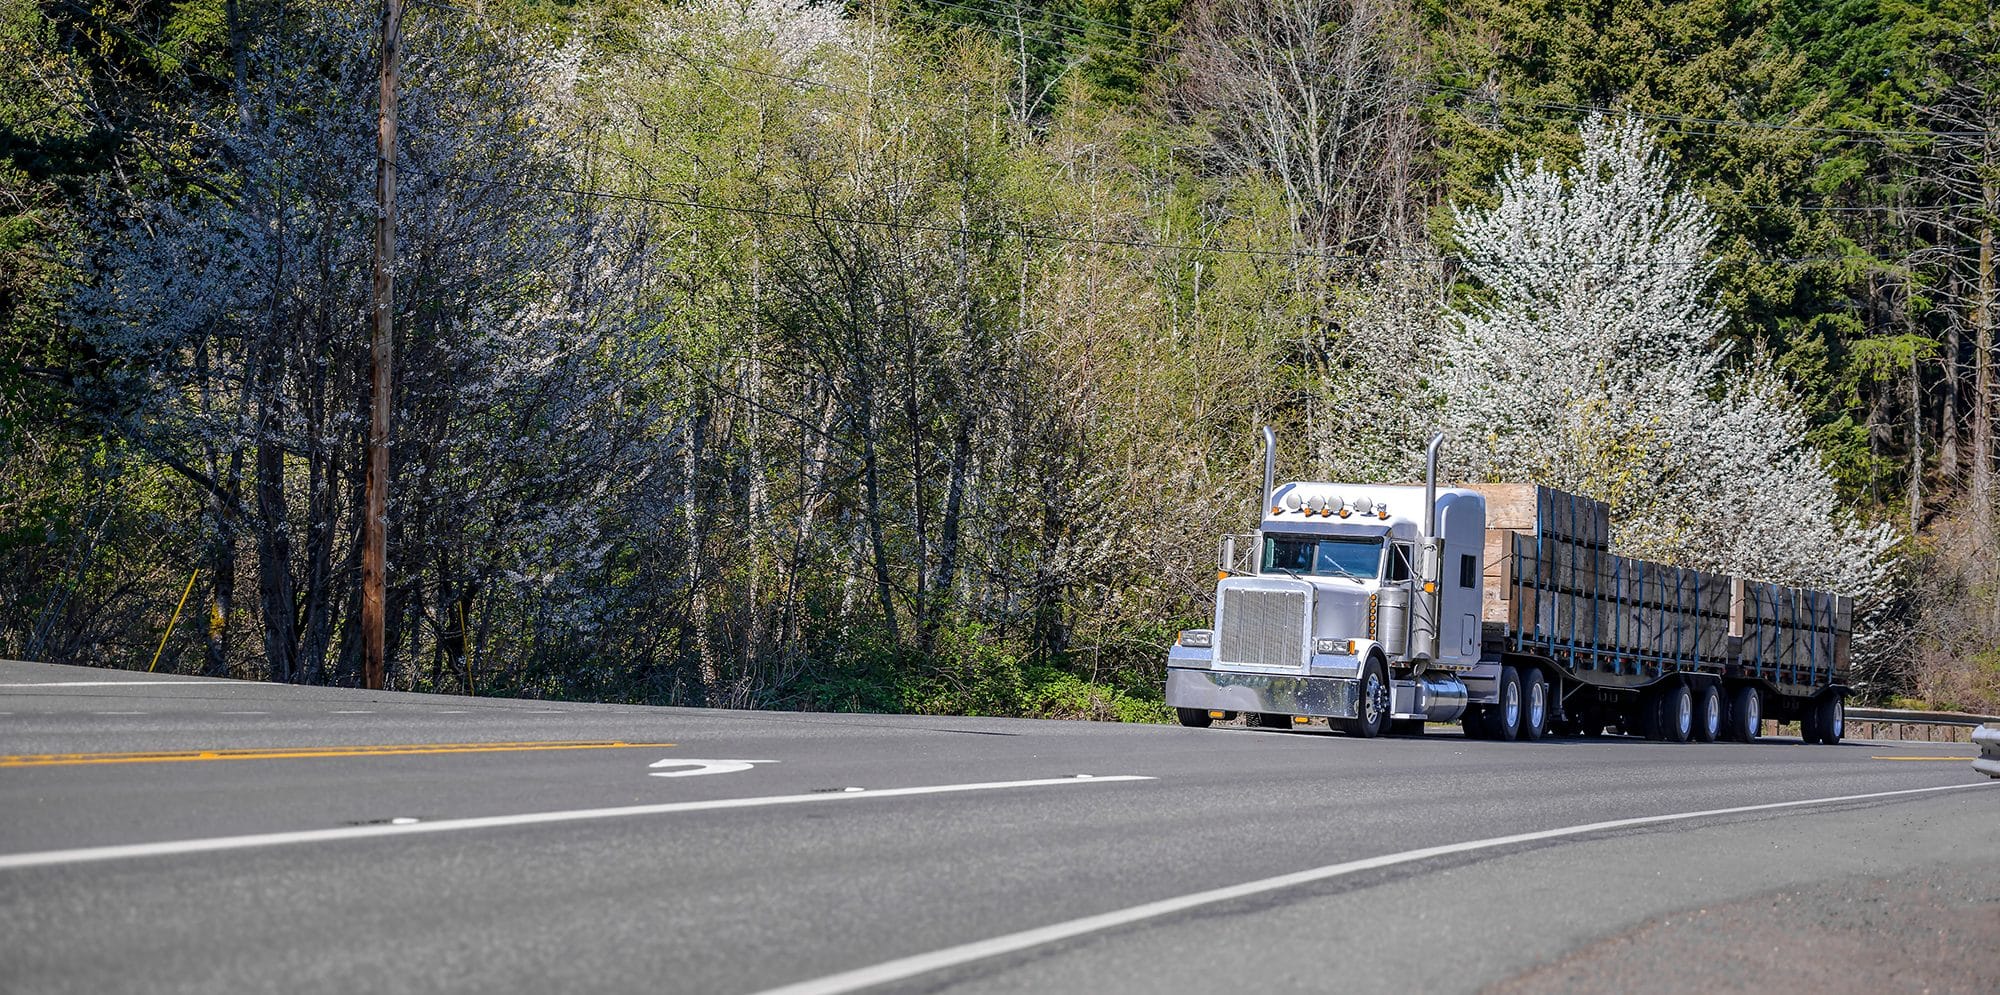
{"x": 1430, "y": 483}
{"x": 1270, "y": 467}
{"x": 1424, "y": 617}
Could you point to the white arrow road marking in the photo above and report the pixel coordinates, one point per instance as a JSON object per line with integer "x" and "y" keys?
{"x": 704, "y": 766}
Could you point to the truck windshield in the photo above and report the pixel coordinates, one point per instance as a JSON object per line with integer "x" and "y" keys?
{"x": 1326, "y": 556}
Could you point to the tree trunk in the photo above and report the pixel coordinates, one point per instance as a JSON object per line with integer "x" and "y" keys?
{"x": 1982, "y": 381}
{"x": 708, "y": 667}
{"x": 274, "y": 556}
{"x": 872, "y": 497}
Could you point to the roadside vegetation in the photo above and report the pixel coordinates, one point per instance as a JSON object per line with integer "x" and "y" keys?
{"x": 909, "y": 356}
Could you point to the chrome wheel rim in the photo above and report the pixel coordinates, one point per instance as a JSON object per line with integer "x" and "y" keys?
{"x": 1839, "y": 718}
{"x": 1687, "y": 713}
{"x": 1510, "y": 705}
{"x": 1374, "y": 700}
{"x": 1753, "y": 717}
{"x": 1537, "y": 704}
{"x": 1711, "y": 713}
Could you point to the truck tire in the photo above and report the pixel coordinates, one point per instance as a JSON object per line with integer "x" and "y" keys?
{"x": 1676, "y": 715}
{"x": 1746, "y": 715}
{"x": 1474, "y": 721}
{"x": 1193, "y": 718}
{"x": 1809, "y": 722}
{"x": 1707, "y": 713}
{"x": 1832, "y": 719}
{"x": 1534, "y": 705}
{"x": 1375, "y": 704}
{"x": 1643, "y": 719}
{"x": 1503, "y": 718}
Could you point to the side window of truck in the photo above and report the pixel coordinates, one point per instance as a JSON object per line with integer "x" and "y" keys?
{"x": 1468, "y": 571}
{"x": 1399, "y": 561}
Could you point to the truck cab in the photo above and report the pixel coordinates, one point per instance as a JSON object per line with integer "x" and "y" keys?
{"x": 1355, "y": 603}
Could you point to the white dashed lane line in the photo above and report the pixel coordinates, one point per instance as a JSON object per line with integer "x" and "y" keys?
{"x": 14, "y": 861}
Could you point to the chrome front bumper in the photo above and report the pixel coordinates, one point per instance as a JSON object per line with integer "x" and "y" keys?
{"x": 1230, "y": 691}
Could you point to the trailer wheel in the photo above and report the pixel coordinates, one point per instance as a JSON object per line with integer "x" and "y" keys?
{"x": 1374, "y": 706}
{"x": 1746, "y": 715}
{"x": 1193, "y": 718}
{"x": 1832, "y": 719}
{"x": 1534, "y": 706}
{"x": 1708, "y": 713}
{"x": 1676, "y": 721}
{"x": 1502, "y": 719}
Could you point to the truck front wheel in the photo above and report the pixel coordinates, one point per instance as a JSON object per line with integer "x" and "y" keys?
{"x": 1372, "y": 710}
{"x": 1193, "y": 718}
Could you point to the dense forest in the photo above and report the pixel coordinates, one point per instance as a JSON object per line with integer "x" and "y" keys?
{"x": 909, "y": 354}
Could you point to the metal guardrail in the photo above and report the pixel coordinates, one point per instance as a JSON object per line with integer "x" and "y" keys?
{"x": 1922, "y": 717}
{"x": 1988, "y": 738}
{"x": 1914, "y": 725}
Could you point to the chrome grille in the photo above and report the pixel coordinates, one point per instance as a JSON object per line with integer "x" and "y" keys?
{"x": 1262, "y": 628}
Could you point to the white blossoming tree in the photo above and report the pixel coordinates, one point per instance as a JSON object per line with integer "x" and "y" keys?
{"x": 1588, "y": 361}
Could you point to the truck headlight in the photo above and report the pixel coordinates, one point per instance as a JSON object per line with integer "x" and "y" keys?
{"x": 1197, "y": 639}
{"x": 1330, "y": 647}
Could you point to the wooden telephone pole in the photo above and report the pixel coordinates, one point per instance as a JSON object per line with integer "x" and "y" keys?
{"x": 381, "y": 358}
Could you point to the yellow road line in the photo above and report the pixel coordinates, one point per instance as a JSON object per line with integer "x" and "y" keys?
{"x": 1909, "y": 759}
{"x": 308, "y": 752}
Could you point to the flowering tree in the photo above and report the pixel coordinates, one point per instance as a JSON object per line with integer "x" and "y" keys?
{"x": 227, "y": 315}
{"x": 1587, "y": 361}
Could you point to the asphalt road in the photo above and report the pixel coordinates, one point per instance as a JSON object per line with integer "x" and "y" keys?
{"x": 165, "y": 834}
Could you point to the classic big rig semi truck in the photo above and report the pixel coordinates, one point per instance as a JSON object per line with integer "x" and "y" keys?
{"x": 1381, "y": 608}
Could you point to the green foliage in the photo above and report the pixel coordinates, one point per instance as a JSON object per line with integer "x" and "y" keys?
{"x": 957, "y": 320}
{"x": 969, "y": 672}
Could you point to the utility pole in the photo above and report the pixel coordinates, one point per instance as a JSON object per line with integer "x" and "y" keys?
{"x": 381, "y": 360}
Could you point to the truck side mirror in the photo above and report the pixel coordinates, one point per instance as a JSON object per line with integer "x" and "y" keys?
{"x": 1225, "y": 556}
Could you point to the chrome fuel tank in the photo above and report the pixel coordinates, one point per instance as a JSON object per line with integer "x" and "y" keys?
{"x": 1440, "y": 697}
{"x": 1392, "y": 621}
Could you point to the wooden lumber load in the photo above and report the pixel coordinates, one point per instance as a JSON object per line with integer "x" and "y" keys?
{"x": 1791, "y": 634}
{"x": 1554, "y": 587}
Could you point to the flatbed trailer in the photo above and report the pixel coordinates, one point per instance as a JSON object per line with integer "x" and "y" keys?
{"x": 1503, "y": 606}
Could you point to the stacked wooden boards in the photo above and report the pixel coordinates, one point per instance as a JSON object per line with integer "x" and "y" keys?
{"x": 1555, "y": 589}
{"x": 1791, "y": 634}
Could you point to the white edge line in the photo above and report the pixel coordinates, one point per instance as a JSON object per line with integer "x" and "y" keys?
{"x": 82, "y": 855}
{"x": 937, "y": 960}
{"x": 112, "y": 684}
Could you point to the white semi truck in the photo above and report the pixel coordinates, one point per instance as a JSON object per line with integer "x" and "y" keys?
{"x": 1380, "y": 608}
